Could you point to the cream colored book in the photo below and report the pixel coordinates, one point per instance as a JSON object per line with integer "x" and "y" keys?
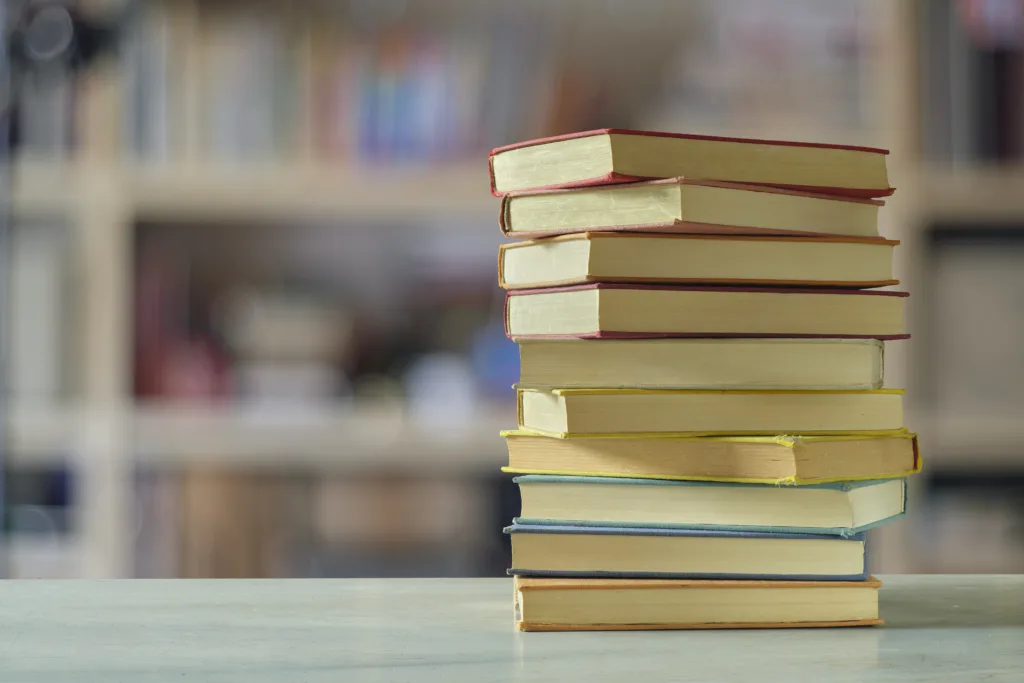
{"x": 616, "y": 155}
{"x": 649, "y": 311}
{"x": 684, "y": 205}
{"x": 645, "y": 552}
{"x": 562, "y": 412}
{"x": 842, "y": 508}
{"x": 658, "y": 604}
{"x": 702, "y": 363}
{"x": 695, "y": 259}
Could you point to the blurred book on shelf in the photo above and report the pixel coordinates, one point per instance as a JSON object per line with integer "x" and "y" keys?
{"x": 209, "y": 522}
{"x": 406, "y": 91}
{"x": 791, "y": 69}
{"x": 973, "y": 80}
{"x": 41, "y": 319}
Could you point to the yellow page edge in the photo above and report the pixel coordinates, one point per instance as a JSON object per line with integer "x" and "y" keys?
{"x": 785, "y": 481}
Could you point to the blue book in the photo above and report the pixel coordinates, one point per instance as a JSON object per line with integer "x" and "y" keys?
{"x": 629, "y": 552}
{"x": 838, "y": 509}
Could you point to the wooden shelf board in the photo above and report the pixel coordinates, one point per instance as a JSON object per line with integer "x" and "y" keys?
{"x": 41, "y": 186}
{"x": 364, "y": 438}
{"x": 979, "y": 194}
{"x": 387, "y": 192}
{"x": 42, "y": 435}
{"x": 989, "y": 443}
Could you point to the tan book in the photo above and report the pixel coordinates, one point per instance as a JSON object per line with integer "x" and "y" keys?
{"x": 695, "y": 259}
{"x": 563, "y": 412}
{"x": 701, "y": 363}
{"x": 792, "y": 460}
{"x": 654, "y": 604}
{"x": 616, "y": 155}
{"x": 571, "y": 551}
{"x": 685, "y": 205}
{"x": 647, "y": 311}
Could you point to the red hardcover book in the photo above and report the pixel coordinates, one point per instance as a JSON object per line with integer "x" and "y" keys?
{"x": 617, "y": 155}
{"x": 620, "y": 311}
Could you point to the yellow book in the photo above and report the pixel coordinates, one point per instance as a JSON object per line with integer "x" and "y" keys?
{"x": 780, "y": 460}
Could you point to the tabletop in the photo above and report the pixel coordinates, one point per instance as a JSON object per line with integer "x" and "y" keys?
{"x": 938, "y": 628}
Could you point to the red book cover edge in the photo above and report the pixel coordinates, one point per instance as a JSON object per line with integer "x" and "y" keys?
{"x": 612, "y": 178}
{"x": 766, "y": 290}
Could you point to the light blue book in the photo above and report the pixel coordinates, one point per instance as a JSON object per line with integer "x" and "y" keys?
{"x": 840, "y": 509}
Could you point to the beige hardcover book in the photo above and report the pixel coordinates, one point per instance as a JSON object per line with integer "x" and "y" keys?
{"x": 701, "y": 363}
{"x": 654, "y": 604}
{"x": 695, "y": 259}
{"x": 564, "y": 412}
{"x": 640, "y": 311}
{"x": 616, "y": 155}
{"x": 685, "y": 205}
{"x": 781, "y": 460}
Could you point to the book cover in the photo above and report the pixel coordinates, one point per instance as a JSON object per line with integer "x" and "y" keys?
{"x": 683, "y": 227}
{"x": 712, "y": 533}
{"x": 705, "y": 394}
{"x": 787, "y": 441}
{"x": 618, "y": 334}
{"x": 625, "y": 233}
{"x": 627, "y": 481}
{"x": 526, "y": 586}
{"x": 615, "y": 177}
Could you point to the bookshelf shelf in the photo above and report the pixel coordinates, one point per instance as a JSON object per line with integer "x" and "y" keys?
{"x": 42, "y": 187}
{"x": 374, "y": 436}
{"x": 382, "y": 192}
{"x": 377, "y": 437}
{"x": 972, "y": 193}
{"x": 41, "y": 435}
{"x": 980, "y": 443}
{"x": 212, "y": 191}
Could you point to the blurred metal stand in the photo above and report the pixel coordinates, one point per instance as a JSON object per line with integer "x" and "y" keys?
{"x": 44, "y": 38}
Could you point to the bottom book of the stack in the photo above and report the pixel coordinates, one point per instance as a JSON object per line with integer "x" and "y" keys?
{"x": 543, "y": 604}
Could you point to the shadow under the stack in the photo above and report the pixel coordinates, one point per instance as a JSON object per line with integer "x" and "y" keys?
{"x": 703, "y": 438}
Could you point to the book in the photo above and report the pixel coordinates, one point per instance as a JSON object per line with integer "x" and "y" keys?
{"x": 842, "y": 509}
{"x": 685, "y": 205}
{"x": 633, "y": 552}
{"x": 777, "y": 460}
{"x": 652, "y": 604}
{"x": 702, "y": 363}
{"x": 648, "y": 311}
{"x": 695, "y": 412}
{"x": 696, "y": 259}
{"x": 616, "y": 155}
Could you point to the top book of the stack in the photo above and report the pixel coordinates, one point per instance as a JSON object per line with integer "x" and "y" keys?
{"x": 612, "y": 155}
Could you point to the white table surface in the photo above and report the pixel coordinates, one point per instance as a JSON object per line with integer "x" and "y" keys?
{"x": 346, "y": 631}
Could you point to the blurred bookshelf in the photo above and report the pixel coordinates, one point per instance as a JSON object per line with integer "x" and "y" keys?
{"x": 277, "y": 247}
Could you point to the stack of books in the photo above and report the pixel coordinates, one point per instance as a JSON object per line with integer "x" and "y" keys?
{"x": 703, "y": 437}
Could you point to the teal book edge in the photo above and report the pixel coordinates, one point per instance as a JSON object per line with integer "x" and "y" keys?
{"x": 843, "y": 532}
